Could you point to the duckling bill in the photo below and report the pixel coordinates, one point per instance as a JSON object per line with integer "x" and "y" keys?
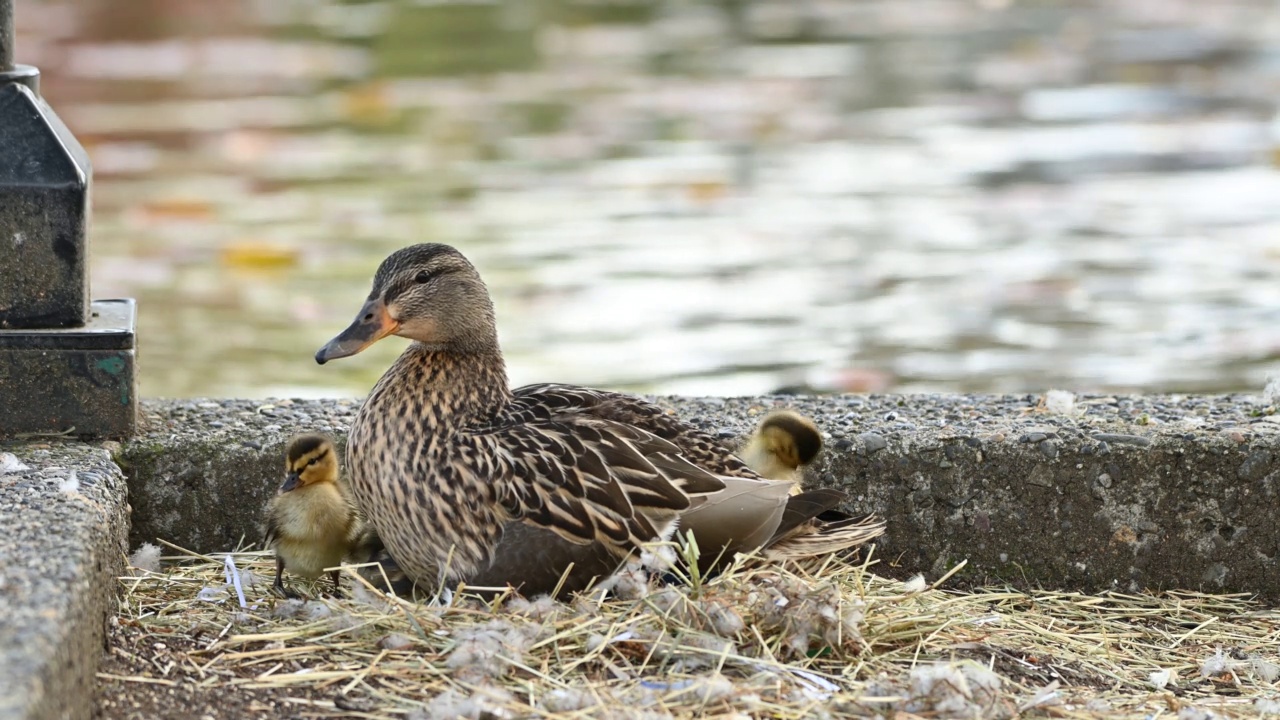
{"x": 311, "y": 524}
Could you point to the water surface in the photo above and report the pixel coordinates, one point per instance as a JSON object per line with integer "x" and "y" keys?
{"x": 690, "y": 197}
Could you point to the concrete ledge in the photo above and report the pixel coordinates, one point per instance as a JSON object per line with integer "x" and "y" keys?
{"x": 64, "y": 522}
{"x": 1134, "y": 493}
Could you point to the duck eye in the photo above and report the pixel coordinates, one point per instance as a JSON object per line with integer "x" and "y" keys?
{"x": 422, "y": 277}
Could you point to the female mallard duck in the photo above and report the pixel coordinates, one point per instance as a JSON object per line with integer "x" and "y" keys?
{"x": 546, "y": 486}
{"x": 311, "y": 524}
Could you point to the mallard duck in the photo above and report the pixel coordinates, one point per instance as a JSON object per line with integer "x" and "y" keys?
{"x": 544, "y": 487}
{"x": 311, "y": 523}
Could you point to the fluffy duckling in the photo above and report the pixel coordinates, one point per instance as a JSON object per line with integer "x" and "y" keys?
{"x": 311, "y": 523}
{"x": 782, "y": 442}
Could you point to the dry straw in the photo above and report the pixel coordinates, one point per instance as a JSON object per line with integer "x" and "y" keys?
{"x": 823, "y": 639}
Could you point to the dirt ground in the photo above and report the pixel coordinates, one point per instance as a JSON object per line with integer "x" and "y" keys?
{"x": 134, "y": 652}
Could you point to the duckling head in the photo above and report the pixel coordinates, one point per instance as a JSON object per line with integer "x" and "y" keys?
{"x": 790, "y": 436}
{"x": 429, "y": 293}
{"x": 310, "y": 459}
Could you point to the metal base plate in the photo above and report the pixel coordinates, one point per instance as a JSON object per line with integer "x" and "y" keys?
{"x": 80, "y": 382}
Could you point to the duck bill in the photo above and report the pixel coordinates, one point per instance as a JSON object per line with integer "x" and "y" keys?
{"x": 291, "y": 481}
{"x": 371, "y": 325}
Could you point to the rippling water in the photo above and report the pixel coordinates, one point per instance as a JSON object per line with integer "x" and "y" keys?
{"x": 694, "y": 197}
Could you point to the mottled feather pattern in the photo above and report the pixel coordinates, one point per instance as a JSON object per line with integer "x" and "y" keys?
{"x": 481, "y": 461}
{"x": 693, "y": 445}
{"x": 830, "y": 532}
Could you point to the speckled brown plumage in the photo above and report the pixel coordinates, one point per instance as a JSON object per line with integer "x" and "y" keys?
{"x": 465, "y": 479}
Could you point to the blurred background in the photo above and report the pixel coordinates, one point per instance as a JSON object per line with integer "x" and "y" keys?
{"x": 703, "y": 197}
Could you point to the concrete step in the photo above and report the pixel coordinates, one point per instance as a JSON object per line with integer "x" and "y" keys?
{"x": 1129, "y": 493}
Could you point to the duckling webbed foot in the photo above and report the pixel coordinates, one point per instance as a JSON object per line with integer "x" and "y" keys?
{"x": 278, "y": 585}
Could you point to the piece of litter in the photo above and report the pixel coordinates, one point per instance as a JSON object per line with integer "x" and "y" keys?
{"x": 233, "y": 579}
{"x": 818, "y": 682}
{"x": 665, "y": 686}
{"x": 9, "y": 463}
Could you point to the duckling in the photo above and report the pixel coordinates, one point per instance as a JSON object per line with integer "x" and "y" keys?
{"x": 310, "y": 523}
{"x": 782, "y": 442}
{"x": 542, "y": 488}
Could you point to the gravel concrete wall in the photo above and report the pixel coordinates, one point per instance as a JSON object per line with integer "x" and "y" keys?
{"x": 64, "y": 517}
{"x": 1127, "y": 493}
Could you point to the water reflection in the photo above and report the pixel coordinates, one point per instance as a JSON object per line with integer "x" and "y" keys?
{"x": 698, "y": 197}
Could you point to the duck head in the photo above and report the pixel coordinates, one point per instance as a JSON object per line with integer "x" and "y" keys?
{"x": 429, "y": 293}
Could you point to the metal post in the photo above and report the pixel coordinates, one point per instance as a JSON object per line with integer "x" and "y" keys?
{"x": 6, "y": 35}
{"x": 66, "y": 361}
{"x": 10, "y": 70}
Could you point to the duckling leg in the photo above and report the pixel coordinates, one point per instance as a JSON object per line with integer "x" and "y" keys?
{"x": 278, "y": 586}
{"x": 335, "y": 575}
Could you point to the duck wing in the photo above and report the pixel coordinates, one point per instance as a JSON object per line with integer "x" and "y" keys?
{"x": 812, "y": 526}
{"x": 699, "y": 447}
{"x": 587, "y": 479}
{"x": 741, "y": 518}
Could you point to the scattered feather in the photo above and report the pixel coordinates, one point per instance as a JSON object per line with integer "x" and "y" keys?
{"x": 915, "y": 585}
{"x": 9, "y": 463}
{"x": 146, "y": 558}
{"x": 290, "y": 608}
{"x": 1265, "y": 669}
{"x": 395, "y": 641}
{"x": 1160, "y": 678}
{"x": 569, "y": 700}
{"x": 1099, "y": 706}
{"x": 541, "y": 608}
{"x": 316, "y": 610}
{"x": 1061, "y": 402}
{"x": 1271, "y": 393}
{"x": 1045, "y": 697}
{"x": 803, "y": 626}
{"x": 1216, "y": 664}
{"x": 1266, "y": 706}
{"x": 212, "y": 594}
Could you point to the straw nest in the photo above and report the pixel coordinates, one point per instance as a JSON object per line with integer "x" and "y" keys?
{"x": 830, "y": 639}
